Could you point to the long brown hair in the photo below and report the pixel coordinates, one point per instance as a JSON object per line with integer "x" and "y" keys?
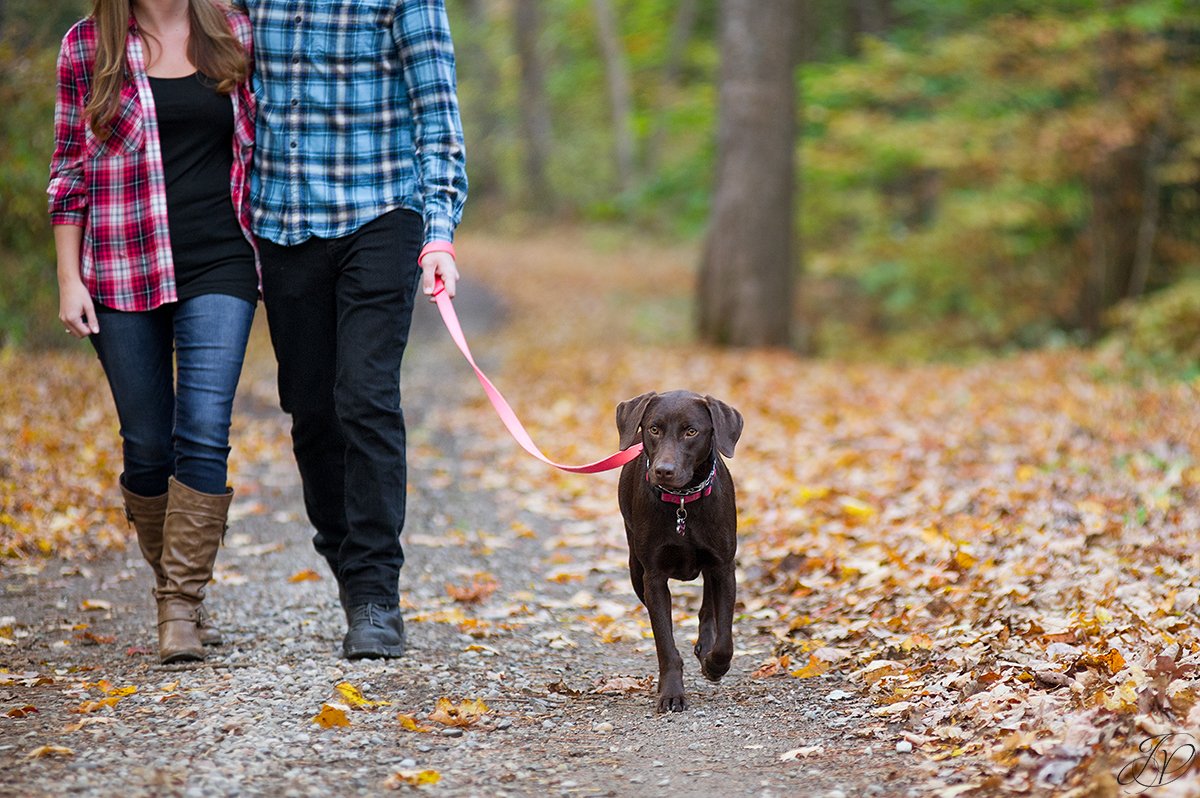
{"x": 212, "y": 47}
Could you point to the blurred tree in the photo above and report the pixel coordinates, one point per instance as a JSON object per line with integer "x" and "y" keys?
{"x": 480, "y": 93}
{"x": 682, "y": 28}
{"x": 620, "y": 97}
{"x": 534, "y": 111}
{"x": 746, "y": 272}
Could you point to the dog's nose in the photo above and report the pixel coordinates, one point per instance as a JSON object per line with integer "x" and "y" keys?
{"x": 664, "y": 472}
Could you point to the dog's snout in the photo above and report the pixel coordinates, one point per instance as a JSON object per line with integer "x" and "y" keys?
{"x": 664, "y": 472}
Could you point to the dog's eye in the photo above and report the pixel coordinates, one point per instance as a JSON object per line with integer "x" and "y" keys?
{"x": 692, "y": 432}
{"x": 654, "y": 430}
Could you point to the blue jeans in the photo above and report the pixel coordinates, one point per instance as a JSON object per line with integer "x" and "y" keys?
{"x": 339, "y": 311}
{"x": 175, "y": 427}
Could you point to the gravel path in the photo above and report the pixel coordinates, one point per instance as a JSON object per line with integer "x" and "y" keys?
{"x": 534, "y": 651}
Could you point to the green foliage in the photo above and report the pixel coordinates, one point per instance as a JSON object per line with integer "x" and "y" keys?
{"x": 955, "y": 184}
{"x": 1162, "y": 331}
{"x": 29, "y": 300}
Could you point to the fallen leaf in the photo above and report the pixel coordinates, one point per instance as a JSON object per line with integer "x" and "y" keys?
{"x": 772, "y": 667}
{"x": 463, "y": 714}
{"x": 21, "y": 712}
{"x": 815, "y": 667}
{"x": 95, "y": 605}
{"x": 307, "y": 575}
{"x": 805, "y": 751}
{"x": 561, "y": 688}
{"x": 354, "y": 697}
{"x": 479, "y": 590}
{"x": 330, "y": 716}
{"x": 412, "y": 778}
{"x": 49, "y": 750}
{"x": 409, "y": 723}
{"x": 617, "y": 685}
{"x": 96, "y": 706}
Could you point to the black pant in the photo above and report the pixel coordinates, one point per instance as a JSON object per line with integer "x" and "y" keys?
{"x": 339, "y": 312}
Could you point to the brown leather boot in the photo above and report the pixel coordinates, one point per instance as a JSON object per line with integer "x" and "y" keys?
{"x": 147, "y": 514}
{"x": 192, "y": 533}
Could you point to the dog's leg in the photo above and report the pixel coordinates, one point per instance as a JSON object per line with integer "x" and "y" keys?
{"x": 637, "y": 575}
{"x": 715, "y": 645}
{"x": 708, "y": 627}
{"x": 670, "y": 664}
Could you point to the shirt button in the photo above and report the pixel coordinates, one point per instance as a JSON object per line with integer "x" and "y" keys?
{"x": 294, "y": 145}
{"x": 298, "y": 17}
{"x": 295, "y": 59}
{"x": 295, "y": 102}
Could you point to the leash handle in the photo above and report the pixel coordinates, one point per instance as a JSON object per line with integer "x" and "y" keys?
{"x": 507, "y": 416}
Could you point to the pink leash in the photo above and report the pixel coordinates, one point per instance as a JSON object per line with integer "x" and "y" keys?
{"x": 450, "y": 318}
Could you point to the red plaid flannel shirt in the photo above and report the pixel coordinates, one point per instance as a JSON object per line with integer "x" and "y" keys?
{"x": 115, "y": 189}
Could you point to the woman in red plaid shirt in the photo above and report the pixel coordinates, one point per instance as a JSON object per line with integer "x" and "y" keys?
{"x": 154, "y": 127}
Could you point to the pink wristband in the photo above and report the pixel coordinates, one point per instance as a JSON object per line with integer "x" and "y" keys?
{"x": 437, "y": 246}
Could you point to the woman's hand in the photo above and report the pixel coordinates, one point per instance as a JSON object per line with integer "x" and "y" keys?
{"x": 75, "y": 309}
{"x": 438, "y": 264}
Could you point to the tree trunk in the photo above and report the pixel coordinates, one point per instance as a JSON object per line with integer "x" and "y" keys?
{"x": 535, "y": 109}
{"x": 746, "y": 275}
{"x": 620, "y": 97}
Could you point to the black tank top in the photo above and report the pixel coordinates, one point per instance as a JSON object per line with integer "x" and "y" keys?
{"x": 195, "y": 130}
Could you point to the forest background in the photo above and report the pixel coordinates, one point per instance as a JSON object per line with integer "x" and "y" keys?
{"x": 971, "y": 176}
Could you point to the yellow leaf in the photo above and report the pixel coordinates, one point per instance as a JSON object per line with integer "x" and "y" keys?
{"x": 330, "y": 716}
{"x": 1113, "y": 660}
{"x": 464, "y": 714}
{"x": 412, "y": 778}
{"x": 918, "y": 640}
{"x": 95, "y": 706}
{"x": 121, "y": 692}
{"x": 307, "y": 575}
{"x": 49, "y": 750}
{"x": 857, "y": 509}
{"x": 1026, "y": 472}
{"x": 409, "y": 723}
{"x": 815, "y": 667}
{"x": 95, "y": 605}
{"x": 354, "y": 697}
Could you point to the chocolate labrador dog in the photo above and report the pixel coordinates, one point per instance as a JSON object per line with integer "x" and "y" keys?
{"x": 681, "y": 521}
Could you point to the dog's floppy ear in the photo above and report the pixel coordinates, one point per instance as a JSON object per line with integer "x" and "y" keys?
{"x": 727, "y": 425}
{"x": 629, "y": 417}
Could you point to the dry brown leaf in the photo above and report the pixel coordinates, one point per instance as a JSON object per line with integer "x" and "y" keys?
{"x": 617, "y": 685}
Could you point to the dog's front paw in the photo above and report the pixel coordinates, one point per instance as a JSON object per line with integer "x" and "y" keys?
{"x": 713, "y": 668}
{"x": 671, "y": 702}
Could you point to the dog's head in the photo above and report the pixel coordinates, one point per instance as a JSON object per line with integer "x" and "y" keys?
{"x": 679, "y": 431}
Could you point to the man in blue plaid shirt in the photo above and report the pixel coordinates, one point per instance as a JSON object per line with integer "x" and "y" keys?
{"x": 359, "y": 182}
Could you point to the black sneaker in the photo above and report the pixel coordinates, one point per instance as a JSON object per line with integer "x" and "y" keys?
{"x": 375, "y": 631}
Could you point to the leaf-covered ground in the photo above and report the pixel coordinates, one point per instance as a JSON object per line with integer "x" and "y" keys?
{"x": 1003, "y": 556}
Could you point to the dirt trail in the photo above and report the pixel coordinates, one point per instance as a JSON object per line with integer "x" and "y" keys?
{"x": 533, "y": 650}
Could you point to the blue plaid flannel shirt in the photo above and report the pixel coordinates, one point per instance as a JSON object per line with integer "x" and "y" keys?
{"x": 357, "y": 116}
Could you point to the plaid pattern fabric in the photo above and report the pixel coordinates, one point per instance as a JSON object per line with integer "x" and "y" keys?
{"x": 115, "y": 189}
{"x": 358, "y": 116}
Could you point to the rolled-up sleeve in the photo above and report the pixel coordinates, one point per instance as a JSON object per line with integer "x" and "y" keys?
{"x": 422, "y": 33}
{"x": 67, "y": 190}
